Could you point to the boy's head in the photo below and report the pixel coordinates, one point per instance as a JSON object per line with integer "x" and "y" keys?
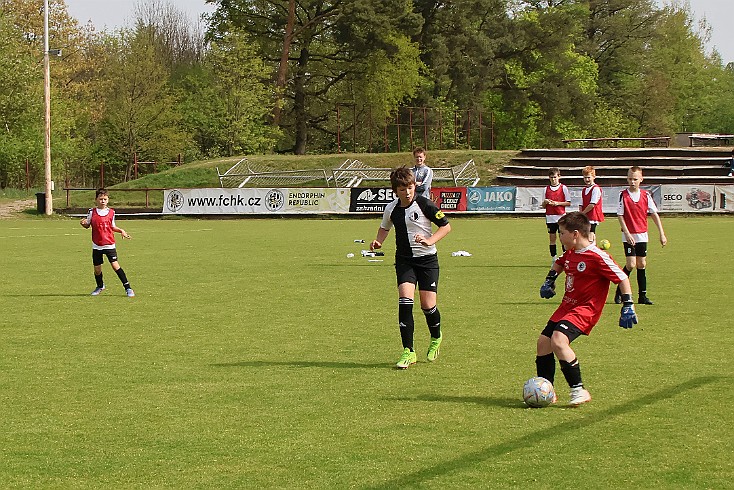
{"x": 589, "y": 174}
{"x": 554, "y": 175}
{"x": 575, "y": 221}
{"x": 101, "y": 197}
{"x": 634, "y": 177}
{"x": 401, "y": 177}
{"x": 419, "y": 156}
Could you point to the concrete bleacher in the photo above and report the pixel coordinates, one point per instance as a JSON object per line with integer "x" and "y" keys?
{"x": 660, "y": 165}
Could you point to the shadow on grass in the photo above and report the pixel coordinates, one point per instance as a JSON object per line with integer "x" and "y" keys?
{"x": 306, "y": 364}
{"x": 528, "y": 440}
{"x": 47, "y": 295}
{"x": 484, "y": 401}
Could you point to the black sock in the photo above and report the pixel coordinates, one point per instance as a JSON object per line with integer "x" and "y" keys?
{"x": 572, "y": 372}
{"x": 433, "y": 320}
{"x": 405, "y": 319}
{"x": 98, "y": 280}
{"x": 553, "y": 250}
{"x": 545, "y": 367}
{"x": 123, "y": 278}
{"x": 642, "y": 282}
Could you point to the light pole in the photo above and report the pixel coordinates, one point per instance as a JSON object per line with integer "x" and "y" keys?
{"x": 47, "y": 101}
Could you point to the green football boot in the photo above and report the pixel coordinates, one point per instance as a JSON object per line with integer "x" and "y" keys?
{"x": 406, "y": 359}
{"x": 434, "y": 348}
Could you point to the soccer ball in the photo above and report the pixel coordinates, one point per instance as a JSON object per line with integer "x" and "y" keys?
{"x": 538, "y": 392}
{"x": 605, "y": 244}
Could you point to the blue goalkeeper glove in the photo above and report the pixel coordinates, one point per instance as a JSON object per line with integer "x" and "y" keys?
{"x": 548, "y": 289}
{"x": 628, "y": 317}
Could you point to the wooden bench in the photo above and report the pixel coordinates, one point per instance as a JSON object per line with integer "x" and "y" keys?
{"x": 589, "y": 142}
{"x": 705, "y": 139}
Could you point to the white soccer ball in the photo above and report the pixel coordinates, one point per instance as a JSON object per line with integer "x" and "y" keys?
{"x": 538, "y": 392}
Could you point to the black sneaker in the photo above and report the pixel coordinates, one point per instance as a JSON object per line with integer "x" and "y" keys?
{"x": 617, "y": 297}
{"x": 644, "y": 300}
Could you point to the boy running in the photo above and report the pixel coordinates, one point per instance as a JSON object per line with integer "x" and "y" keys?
{"x": 102, "y": 221}
{"x": 589, "y": 272}
{"x": 591, "y": 200}
{"x": 635, "y": 205}
{"x": 555, "y": 199}
{"x": 416, "y": 259}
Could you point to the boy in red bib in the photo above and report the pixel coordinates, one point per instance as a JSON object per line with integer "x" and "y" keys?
{"x": 635, "y": 205}
{"x": 555, "y": 199}
{"x": 589, "y": 271}
{"x": 591, "y": 200}
{"x": 102, "y": 221}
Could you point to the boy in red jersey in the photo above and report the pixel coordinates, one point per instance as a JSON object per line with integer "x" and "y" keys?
{"x": 589, "y": 271}
{"x": 102, "y": 221}
{"x": 591, "y": 201}
{"x": 555, "y": 199}
{"x": 635, "y": 205}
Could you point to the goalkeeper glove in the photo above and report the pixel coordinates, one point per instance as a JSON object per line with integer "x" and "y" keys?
{"x": 628, "y": 317}
{"x": 548, "y": 289}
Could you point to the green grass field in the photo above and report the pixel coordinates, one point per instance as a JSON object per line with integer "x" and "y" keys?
{"x": 257, "y": 355}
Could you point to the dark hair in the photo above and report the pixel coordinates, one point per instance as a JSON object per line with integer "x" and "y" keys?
{"x": 575, "y": 221}
{"x": 553, "y": 171}
{"x": 401, "y": 177}
{"x": 101, "y": 192}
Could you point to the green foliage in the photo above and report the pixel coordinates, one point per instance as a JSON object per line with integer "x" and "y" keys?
{"x": 246, "y": 362}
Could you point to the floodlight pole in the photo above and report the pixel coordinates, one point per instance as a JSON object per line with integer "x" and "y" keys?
{"x": 47, "y": 103}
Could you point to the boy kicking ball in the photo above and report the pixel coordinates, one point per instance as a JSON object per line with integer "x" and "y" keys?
{"x": 416, "y": 260}
{"x": 589, "y": 271}
{"x": 102, "y": 221}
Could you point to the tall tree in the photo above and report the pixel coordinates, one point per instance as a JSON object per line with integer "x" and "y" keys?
{"x": 332, "y": 45}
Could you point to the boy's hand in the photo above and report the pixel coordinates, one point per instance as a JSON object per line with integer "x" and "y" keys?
{"x": 84, "y": 222}
{"x": 548, "y": 289}
{"x": 125, "y": 234}
{"x": 663, "y": 239}
{"x": 628, "y": 317}
{"x": 422, "y": 240}
{"x": 375, "y": 245}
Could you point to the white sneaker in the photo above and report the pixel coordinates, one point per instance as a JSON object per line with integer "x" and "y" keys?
{"x": 97, "y": 291}
{"x": 555, "y": 257}
{"x": 130, "y": 293}
{"x": 579, "y": 396}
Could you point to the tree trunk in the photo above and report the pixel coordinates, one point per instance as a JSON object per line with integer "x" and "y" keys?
{"x": 283, "y": 67}
{"x": 299, "y": 104}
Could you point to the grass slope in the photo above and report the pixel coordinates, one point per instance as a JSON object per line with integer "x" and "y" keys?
{"x": 256, "y": 355}
{"x": 204, "y": 174}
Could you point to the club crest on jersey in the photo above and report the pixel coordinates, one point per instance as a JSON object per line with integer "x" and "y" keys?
{"x": 581, "y": 266}
{"x": 414, "y": 216}
{"x": 440, "y": 215}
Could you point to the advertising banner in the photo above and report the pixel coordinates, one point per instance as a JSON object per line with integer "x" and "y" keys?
{"x": 449, "y": 198}
{"x": 724, "y": 198}
{"x": 529, "y": 200}
{"x": 370, "y": 199}
{"x": 256, "y": 201}
{"x": 490, "y": 199}
{"x": 687, "y": 198}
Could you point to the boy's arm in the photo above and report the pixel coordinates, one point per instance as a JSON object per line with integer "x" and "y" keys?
{"x": 378, "y": 241}
{"x": 627, "y": 235}
{"x": 588, "y": 208}
{"x": 436, "y": 237}
{"x": 120, "y": 231}
{"x": 656, "y": 219}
